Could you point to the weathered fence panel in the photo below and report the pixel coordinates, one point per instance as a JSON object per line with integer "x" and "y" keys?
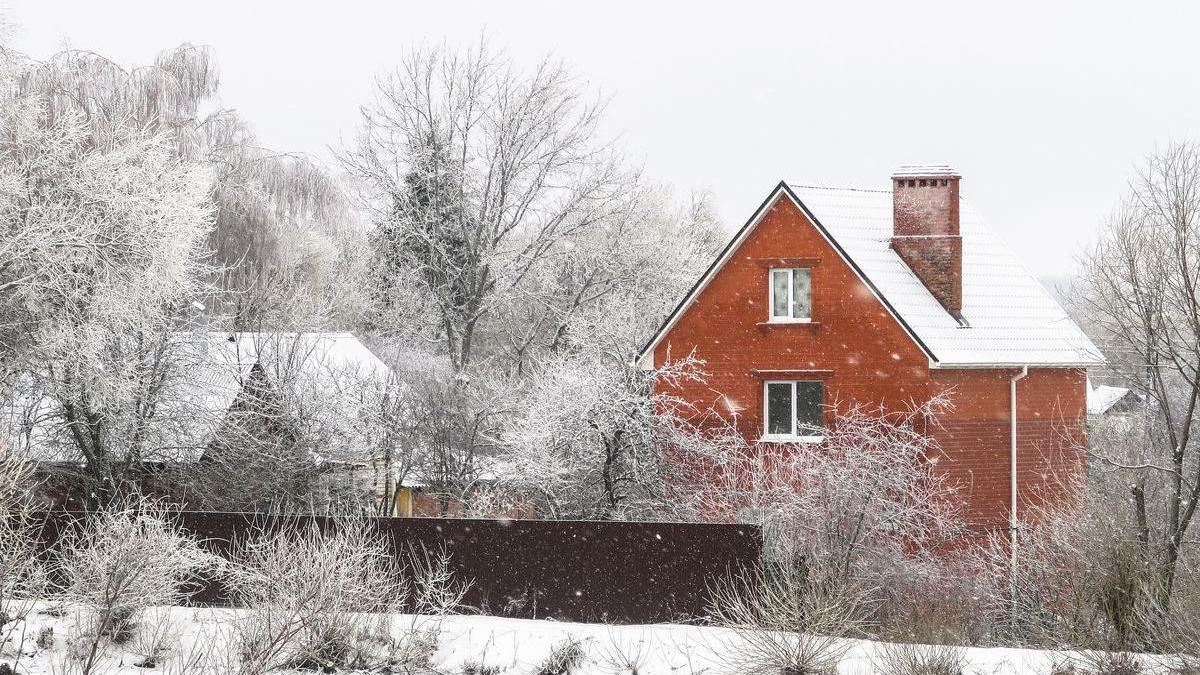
{"x": 621, "y": 572}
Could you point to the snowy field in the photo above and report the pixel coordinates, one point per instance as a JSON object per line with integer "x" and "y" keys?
{"x": 472, "y": 645}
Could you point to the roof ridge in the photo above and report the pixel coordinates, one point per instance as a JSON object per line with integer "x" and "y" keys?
{"x": 835, "y": 187}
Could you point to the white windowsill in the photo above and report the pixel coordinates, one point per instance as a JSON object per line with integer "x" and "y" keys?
{"x": 776, "y": 319}
{"x": 786, "y": 438}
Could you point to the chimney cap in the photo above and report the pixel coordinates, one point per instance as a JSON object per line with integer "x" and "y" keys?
{"x": 926, "y": 171}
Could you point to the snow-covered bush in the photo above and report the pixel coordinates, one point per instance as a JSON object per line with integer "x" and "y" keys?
{"x": 325, "y": 598}
{"x": 157, "y": 638}
{"x": 120, "y": 562}
{"x": 594, "y": 439}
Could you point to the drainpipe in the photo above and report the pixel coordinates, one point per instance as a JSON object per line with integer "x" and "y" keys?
{"x": 1012, "y": 438}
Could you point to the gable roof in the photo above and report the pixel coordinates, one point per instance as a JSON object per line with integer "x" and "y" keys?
{"x": 222, "y": 361}
{"x": 1012, "y": 320}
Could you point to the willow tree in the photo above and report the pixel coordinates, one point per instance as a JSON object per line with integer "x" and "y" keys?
{"x": 281, "y": 220}
{"x": 475, "y": 172}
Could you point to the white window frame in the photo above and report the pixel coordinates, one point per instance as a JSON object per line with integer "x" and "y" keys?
{"x": 792, "y": 437}
{"x": 791, "y": 304}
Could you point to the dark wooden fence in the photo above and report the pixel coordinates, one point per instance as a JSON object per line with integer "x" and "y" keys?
{"x": 621, "y": 572}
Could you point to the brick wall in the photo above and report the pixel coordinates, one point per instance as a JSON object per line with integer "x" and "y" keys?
{"x": 1051, "y": 411}
{"x": 862, "y": 354}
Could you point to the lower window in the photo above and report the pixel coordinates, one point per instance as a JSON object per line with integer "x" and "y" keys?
{"x": 794, "y": 408}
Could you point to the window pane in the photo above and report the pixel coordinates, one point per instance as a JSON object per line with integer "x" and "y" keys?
{"x": 809, "y": 397}
{"x": 801, "y": 293}
{"x": 779, "y": 289}
{"x": 779, "y": 408}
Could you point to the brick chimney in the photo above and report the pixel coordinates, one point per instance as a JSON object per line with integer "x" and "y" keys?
{"x": 925, "y": 231}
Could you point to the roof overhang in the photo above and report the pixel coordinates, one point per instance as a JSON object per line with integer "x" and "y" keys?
{"x": 1022, "y": 364}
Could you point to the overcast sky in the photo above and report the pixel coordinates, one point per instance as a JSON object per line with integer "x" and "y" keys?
{"x": 1045, "y": 109}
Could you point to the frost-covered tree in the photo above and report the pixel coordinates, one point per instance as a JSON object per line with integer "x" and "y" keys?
{"x": 128, "y": 196}
{"x": 282, "y": 244}
{"x": 475, "y": 172}
{"x": 589, "y": 434}
{"x": 593, "y": 440}
{"x": 103, "y": 245}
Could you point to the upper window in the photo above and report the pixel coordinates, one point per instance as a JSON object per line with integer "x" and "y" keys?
{"x": 791, "y": 294}
{"x": 793, "y": 409}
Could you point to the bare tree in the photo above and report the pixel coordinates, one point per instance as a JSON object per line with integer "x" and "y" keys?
{"x": 475, "y": 171}
{"x": 642, "y": 258}
{"x": 1142, "y": 290}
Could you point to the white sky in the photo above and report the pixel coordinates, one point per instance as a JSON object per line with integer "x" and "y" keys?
{"x": 1044, "y": 107}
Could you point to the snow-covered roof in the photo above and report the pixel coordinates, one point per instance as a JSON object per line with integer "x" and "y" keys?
{"x": 1011, "y": 319}
{"x": 220, "y": 362}
{"x": 924, "y": 171}
{"x": 1101, "y": 398}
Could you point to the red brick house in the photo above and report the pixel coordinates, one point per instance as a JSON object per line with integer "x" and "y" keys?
{"x": 828, "y": 296}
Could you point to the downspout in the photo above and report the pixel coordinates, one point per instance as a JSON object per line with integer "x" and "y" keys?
{"x": 1012, "y": 438}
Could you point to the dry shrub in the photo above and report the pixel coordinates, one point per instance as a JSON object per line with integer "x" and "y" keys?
{"x": 936, "y": 602}
{"x": 914, "y": 659}
{"x": 476, "y": 668}
{"x": 1182, "y": 625}
{"x": 621, "y": 657}
{"x": 324, "y": 599}
{"x": 791, "y": 618}
{"x": 1178, "y": 664}
{"x": 868, "y": 501}
{"x": 1082, "y": 578}
{"x": 156, "y": 638}
{"x": 564, "y": 659}
{"x": 1100, "y": 663}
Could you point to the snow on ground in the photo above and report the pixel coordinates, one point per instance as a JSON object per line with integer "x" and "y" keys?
{"x": 515, "y": 646}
